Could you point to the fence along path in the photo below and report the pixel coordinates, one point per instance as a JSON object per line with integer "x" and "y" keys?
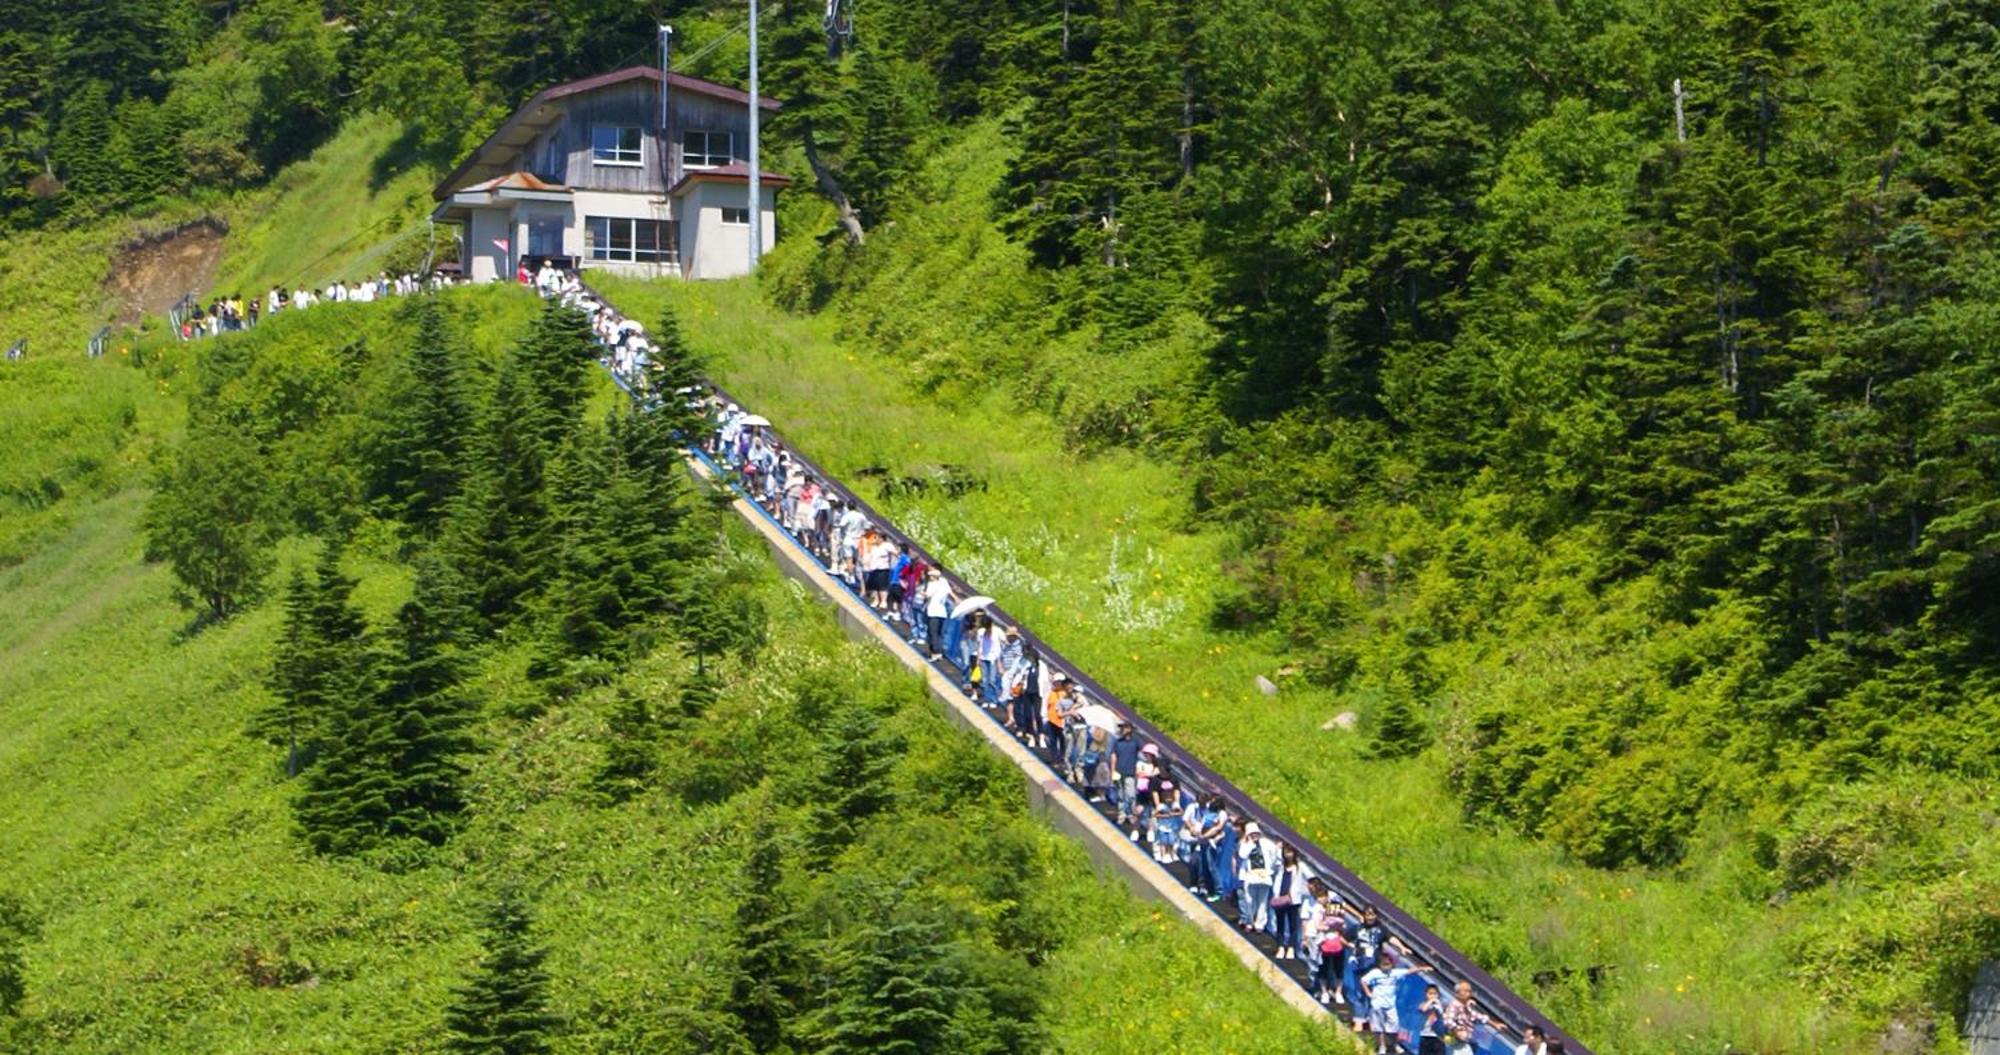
{"x": 1507, "y": 1010}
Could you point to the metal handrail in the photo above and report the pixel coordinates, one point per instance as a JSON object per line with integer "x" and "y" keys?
{"x": 1504, "y": 1006}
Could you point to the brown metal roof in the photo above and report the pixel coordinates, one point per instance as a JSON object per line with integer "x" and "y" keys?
{"x": 525, "y": 123}
{"x": 518, "y": 181}
{"x": 681, "y": 83}
{"x": 728, "y": 174}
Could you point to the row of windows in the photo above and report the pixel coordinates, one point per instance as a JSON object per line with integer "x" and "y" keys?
{"x": 619, "y": 238}
{"x": 624, "y": 145}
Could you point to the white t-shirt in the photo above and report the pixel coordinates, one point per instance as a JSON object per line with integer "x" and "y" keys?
{"x": 1381, "y": 987}
{"x": 1258, "y": 875}
{"x": 851, "y": 524}
{"x": 937, "y": 599}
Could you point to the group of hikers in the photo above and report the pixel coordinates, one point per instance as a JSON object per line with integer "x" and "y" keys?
{"x": 232, "y": 312}
{"x": 1351, "y": 963}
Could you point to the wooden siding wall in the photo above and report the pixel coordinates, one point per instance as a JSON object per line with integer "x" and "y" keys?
{"x": 632, "y": 103}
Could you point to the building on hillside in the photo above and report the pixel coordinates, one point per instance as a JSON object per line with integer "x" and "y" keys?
{"x": 577, "y": 174}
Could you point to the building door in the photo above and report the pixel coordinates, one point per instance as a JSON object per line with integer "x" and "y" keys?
{"x": 545, "y": 237}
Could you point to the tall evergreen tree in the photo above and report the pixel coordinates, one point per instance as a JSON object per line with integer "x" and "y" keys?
{"x": 856, "y": 758}
{"x": 426, "y": 435}
{"x": 673, "y": 369}
{"x": 90, "y": 169}
{"x": 764, "y": 985}
{"x": 500, "y": 534}
{"x": 392, "y": 766}
{"x": 554, "y": 365}
{"x": 503, "y": 1007}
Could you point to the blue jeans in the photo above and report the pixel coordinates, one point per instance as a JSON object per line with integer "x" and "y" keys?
{"x": 1256, "y": 904}
{"x": 989, "y": 680}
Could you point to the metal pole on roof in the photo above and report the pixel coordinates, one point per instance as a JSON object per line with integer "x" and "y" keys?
{"x": 666, "y": 114}
{"x": 756, "y": 192}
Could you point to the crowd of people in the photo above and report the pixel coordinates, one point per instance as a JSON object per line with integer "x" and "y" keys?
{"x": 1350, "y": 961}
{"x": 232, "y": 312}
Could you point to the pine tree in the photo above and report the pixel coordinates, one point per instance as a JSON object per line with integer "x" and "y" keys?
{"x": 586, "y": 608}
{"x": 554, "y": 366}
{"x": 631, "y": 749}
{"x": 856, "y": 758}
{"x": 672, "y": 371}
{"x": 17, "y": 929}
{"x": 295, "y": 676}
{"x": 82, "y": 144}
{"x": 428, "y": 714}
{"x": 698, "y": 695}
{"x": 499, "y": 531}
{"x": 391, "y": 767}
{"x": 764, "y": 987}
{"x": 1400, "y": 730}
{"x": 427, "y": 432}
{"x": 719, "y": 617}
{"x": 503, "y": 1007}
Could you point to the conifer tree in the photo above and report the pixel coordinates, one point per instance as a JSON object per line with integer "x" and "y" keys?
{"x": 324, "y": 660}
{"x": 764, "y": 986}
{"x": 698, "y": 695}
{"x": 672, "y": 369}
{"x": 554, "y": 366}
{"x": 856, "y": 757}
{"x": 631, "y": 750}
{"x": 500, "y": 536}
{"x": 392, "y": 764}
{"x": 426, "y": 437}
{"x": 586, "y": 606}
{"x": 1400, "y": 731}
{"x": 295, "y": 675}
{"x": 90, "y": 171}
{"x": 503, "y": 1007}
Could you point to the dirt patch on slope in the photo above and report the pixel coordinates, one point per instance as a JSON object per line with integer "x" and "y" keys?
{"x": 151, "y": 272}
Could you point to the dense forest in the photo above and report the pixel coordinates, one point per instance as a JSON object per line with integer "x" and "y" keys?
{"x": 1605, "y": 393}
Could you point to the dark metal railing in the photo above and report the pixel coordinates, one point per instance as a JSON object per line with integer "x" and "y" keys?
{"x": 1505, "y": 1008}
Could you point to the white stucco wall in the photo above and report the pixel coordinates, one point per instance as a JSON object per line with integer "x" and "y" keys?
{"x": 711, "y": 248}
{"x": 484, "y": 261}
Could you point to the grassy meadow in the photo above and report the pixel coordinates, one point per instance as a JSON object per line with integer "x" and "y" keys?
{"x": 1099, "y": 554}
{"x": 151, "y": 835}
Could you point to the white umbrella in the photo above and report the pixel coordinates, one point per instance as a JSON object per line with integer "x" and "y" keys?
{"x": 1099, "y": 715}
{"x": 970, "y": 604}
{"x": 757, "y": 420}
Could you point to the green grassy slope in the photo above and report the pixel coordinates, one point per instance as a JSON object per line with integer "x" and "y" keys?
{"x": 152, "y": 836}
{"x": 357, "y": 205}
{"x": 1097, "y": 553}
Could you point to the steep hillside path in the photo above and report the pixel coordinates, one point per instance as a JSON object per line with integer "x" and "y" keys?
{"x": 1508, "y": 1011}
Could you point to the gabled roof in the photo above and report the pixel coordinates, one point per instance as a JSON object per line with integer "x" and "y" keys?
{"x": 517, "y": 181}
{"x": 539, "y": 113}
{"x": 732, "y": 173}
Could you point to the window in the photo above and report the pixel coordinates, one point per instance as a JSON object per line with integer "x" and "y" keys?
{"x": 705, "y": 150}
{"x": 615, "y": 144}
{"x": 736, "y": 217}
{"x": 551, "y": 166}
{"x": 545, "y": 236}
{"x": 617, "y": 238}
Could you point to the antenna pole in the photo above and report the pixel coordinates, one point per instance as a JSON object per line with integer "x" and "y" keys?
{"x": 756, "y": 190}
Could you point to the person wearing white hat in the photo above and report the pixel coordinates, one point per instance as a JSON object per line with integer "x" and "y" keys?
{"x": 1256, "y": 856}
